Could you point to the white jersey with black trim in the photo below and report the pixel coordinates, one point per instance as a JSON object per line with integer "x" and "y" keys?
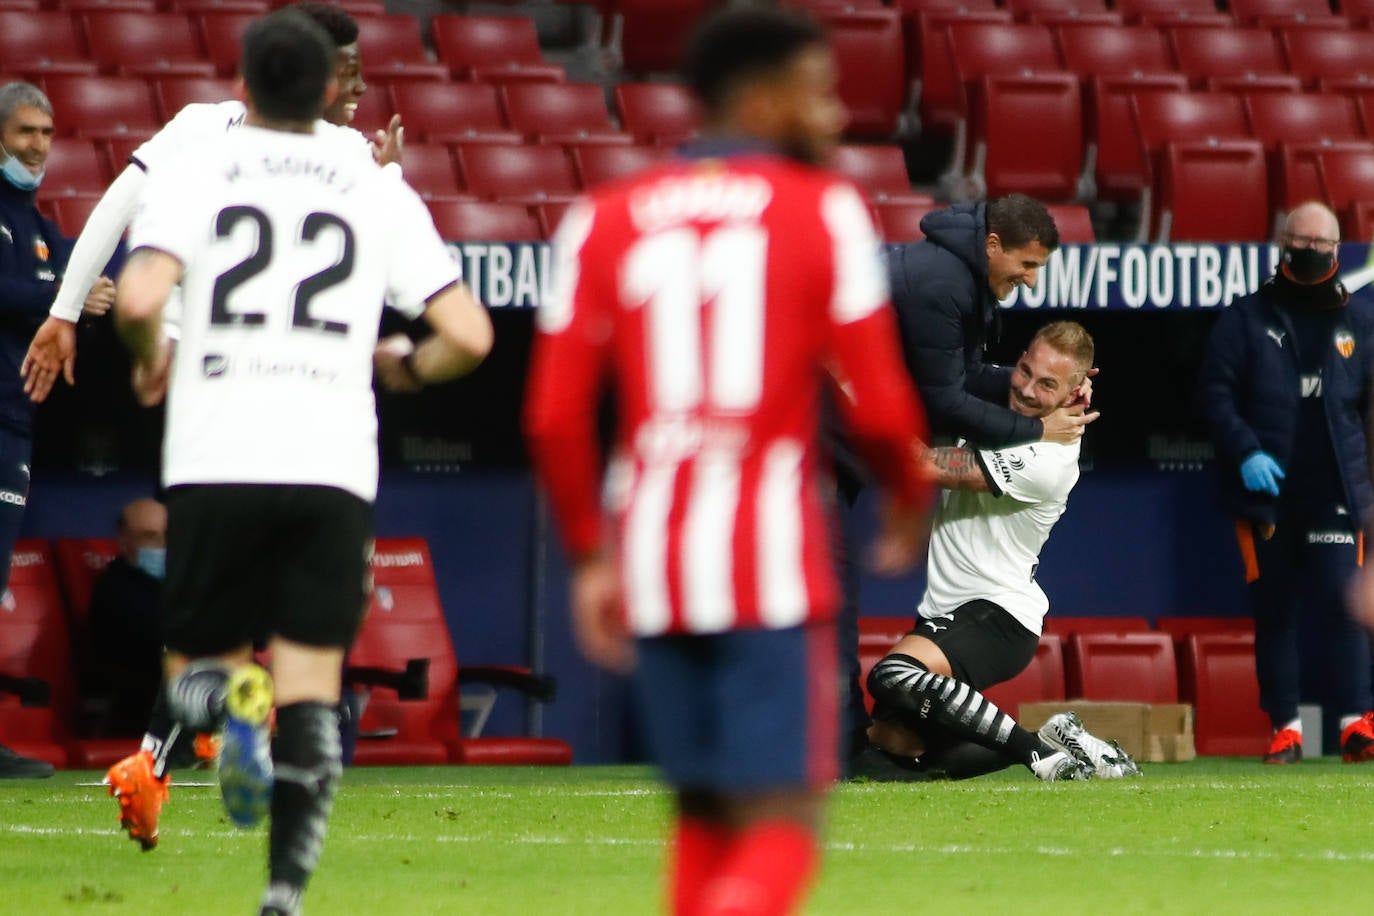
{"x": 987, "y": 545}
{"x": 290, "y": 246}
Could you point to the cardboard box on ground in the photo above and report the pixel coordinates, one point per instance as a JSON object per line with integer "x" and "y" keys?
{"x": 1154, "y": 733}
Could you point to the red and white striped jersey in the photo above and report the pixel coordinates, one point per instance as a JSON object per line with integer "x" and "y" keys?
{"x": 716, "y": 294}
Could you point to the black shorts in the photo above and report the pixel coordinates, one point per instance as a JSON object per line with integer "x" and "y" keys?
{"x": 984, "y": 644}
{"x": 244, "y": 560}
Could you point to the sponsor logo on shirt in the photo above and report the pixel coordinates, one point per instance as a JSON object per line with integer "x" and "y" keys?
{"x": 213, "y": 365}
{"x": 1330, "y": 537}
{"x": 1276, "y": 336}
{"x": 216, "y": 365}
{"x": 999, "y": 464}
{"x": 12, "y": 498}
{"x": 1016, "y": 462}
{"x": 1312, "y": 385}
{"x": 394, "y": 560}
{"x": 1345, "y": 344}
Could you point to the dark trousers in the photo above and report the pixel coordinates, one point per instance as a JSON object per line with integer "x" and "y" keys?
{"x": 854, "y": 720}
{"x": 15, "y": 449}
{"x": 1297, "y": 580}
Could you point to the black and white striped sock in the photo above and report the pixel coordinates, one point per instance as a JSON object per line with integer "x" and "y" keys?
{"x": 951, "y": 705}
{"x": 196, "y": 696}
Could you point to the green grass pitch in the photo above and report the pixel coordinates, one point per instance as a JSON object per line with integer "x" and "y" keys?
{"x": 1214, "y": 836}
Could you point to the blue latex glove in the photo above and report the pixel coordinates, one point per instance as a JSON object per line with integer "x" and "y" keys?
{"x": 1261, "y": 473}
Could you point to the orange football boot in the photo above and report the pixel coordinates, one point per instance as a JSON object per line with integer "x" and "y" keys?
{"x": 140, "y": 795}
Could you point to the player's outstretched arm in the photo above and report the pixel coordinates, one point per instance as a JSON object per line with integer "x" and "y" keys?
{"x": 53, "y": 349}
{"x": 144, "y": 285}
{"x": 462, "y": 338}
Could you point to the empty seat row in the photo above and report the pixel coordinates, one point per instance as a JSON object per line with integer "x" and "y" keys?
{"x": 49, "y": 593}
{"x": 1207, "y": 661}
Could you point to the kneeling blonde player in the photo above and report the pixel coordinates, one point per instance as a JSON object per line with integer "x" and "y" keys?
{"x": 982, "y": 614}
{"x": 285, "y": 247}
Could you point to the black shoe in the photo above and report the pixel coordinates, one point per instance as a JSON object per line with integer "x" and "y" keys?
{"x": 876, "y": 765}
{"x": 13, "y": 766}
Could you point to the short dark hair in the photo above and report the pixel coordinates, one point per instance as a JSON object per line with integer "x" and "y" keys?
{"x": 1019, "y": 220}
{"x": 740, "y": 45}
{"x": 287, "y": 62}
{"x": 334, "y": 19}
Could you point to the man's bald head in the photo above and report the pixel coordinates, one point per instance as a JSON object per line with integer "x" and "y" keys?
{"x": 1313, "y": 220}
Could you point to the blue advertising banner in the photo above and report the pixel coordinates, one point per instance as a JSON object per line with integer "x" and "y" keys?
{"x": 1101, "y": 277}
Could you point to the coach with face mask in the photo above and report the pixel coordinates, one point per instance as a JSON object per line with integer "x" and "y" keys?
{"x": 1285, "y": 388}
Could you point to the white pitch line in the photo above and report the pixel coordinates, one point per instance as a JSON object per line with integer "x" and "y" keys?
{"x": 947, "y": 849}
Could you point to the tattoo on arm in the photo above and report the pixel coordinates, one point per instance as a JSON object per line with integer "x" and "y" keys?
{"x": 954, "y": 469}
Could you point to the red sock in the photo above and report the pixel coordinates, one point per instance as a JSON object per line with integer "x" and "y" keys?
{"x": 698, "y": 848}
{"x": 766, "y": 872}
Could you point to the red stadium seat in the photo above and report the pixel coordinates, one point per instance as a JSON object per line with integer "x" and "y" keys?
{"x": 928, "y": 42}
{"x": 71, "y": 211}
{"x": 879, "y": 170}
{"x": 1171, "y": 12}
{"x": 663, "y": 113}
{"x": 1108, "y": 51}
{"x": 20, "y": 6}
{"x": 900, "y": 221}
{"x": 1253, "y": 83}
{"x": 1041, "y": 681}
{"x": 1026, "y": 9}
{"x": 561, "y": 113}
{"x": 452, "y": 113}
{"x": 1122, "y": 667}
{"x": 121, "y": 149}
{"x": 1297, "y": 178}
{"x": 1065, "y": 627}
{"x": 1217, "y": 675}
{"x": 1180, "y": 628}
{"x": 909, "y": 7}
{"x": 1317, "y": 54}
{"x": 1027, "y": 134}
{"x": 1359, "y": 13}
{"x": 484, "y": 221}
{"x": 598, "y": 163}
{"x": 1183, "y": 117}
{"x": 991, "y": 49}
{"x": 550, "y": 215}
{"x": 101, "y": 107}
{"x": 174, "y": 93}
{"x": 519, "y": 174}
{"x": 429, "y": 169}
{"x": 1206, "y": 52}
{"x": 75, "y": 167}
{"x": 222, "y": 33}
{"x": 391, "y": 50}
{"x": 1276, "y": 119}
{"x": 374, "y": 110}
{"x": 198, "y": 7}
{"x": 1199, "y": 201}
{"x": 405, "y": 622}
{"x": 1249, "y": 12}
{"x": 1074, "y": 223}
{"x": 492, "y": 49}
{"x": 872, "y": 61}
{"x": 38, "y": 43}
{"x": 1063, "y": 20}
{"x": 1358, "y": 221}
{"x": 354, "y": 8}
{"x": 35, "y": 643}
{"x": 1347, "y": 177}
{"x": 144, "y": 44}
{"x": 1119, "y": 168}
{"x": 653, "y": 33}
{"x": 95, "y": 6}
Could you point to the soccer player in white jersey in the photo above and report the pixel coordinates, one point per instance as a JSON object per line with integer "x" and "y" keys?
{"x": 53, "y": 349}
{"x": 285, "y": 247}
{"x": 982, "y": 614}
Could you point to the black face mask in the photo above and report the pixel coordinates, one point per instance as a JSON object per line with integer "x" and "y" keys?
{"x": 1308, "y": 265}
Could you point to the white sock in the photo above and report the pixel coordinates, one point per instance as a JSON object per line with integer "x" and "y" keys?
{"x": 1347, "y": 721}
{"x": 1295, "y": 725}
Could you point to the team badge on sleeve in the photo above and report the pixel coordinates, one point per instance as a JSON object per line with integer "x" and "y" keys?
{"x": 1345, "y": 343}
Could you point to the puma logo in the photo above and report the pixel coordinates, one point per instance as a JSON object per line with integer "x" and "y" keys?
{"x": 935, "y": 627}
{"x": 1276, "y": 335}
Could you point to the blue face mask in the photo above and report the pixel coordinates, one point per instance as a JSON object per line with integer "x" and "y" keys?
{"x": 153, "y": 561}
{"x": 17, "y": 174}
